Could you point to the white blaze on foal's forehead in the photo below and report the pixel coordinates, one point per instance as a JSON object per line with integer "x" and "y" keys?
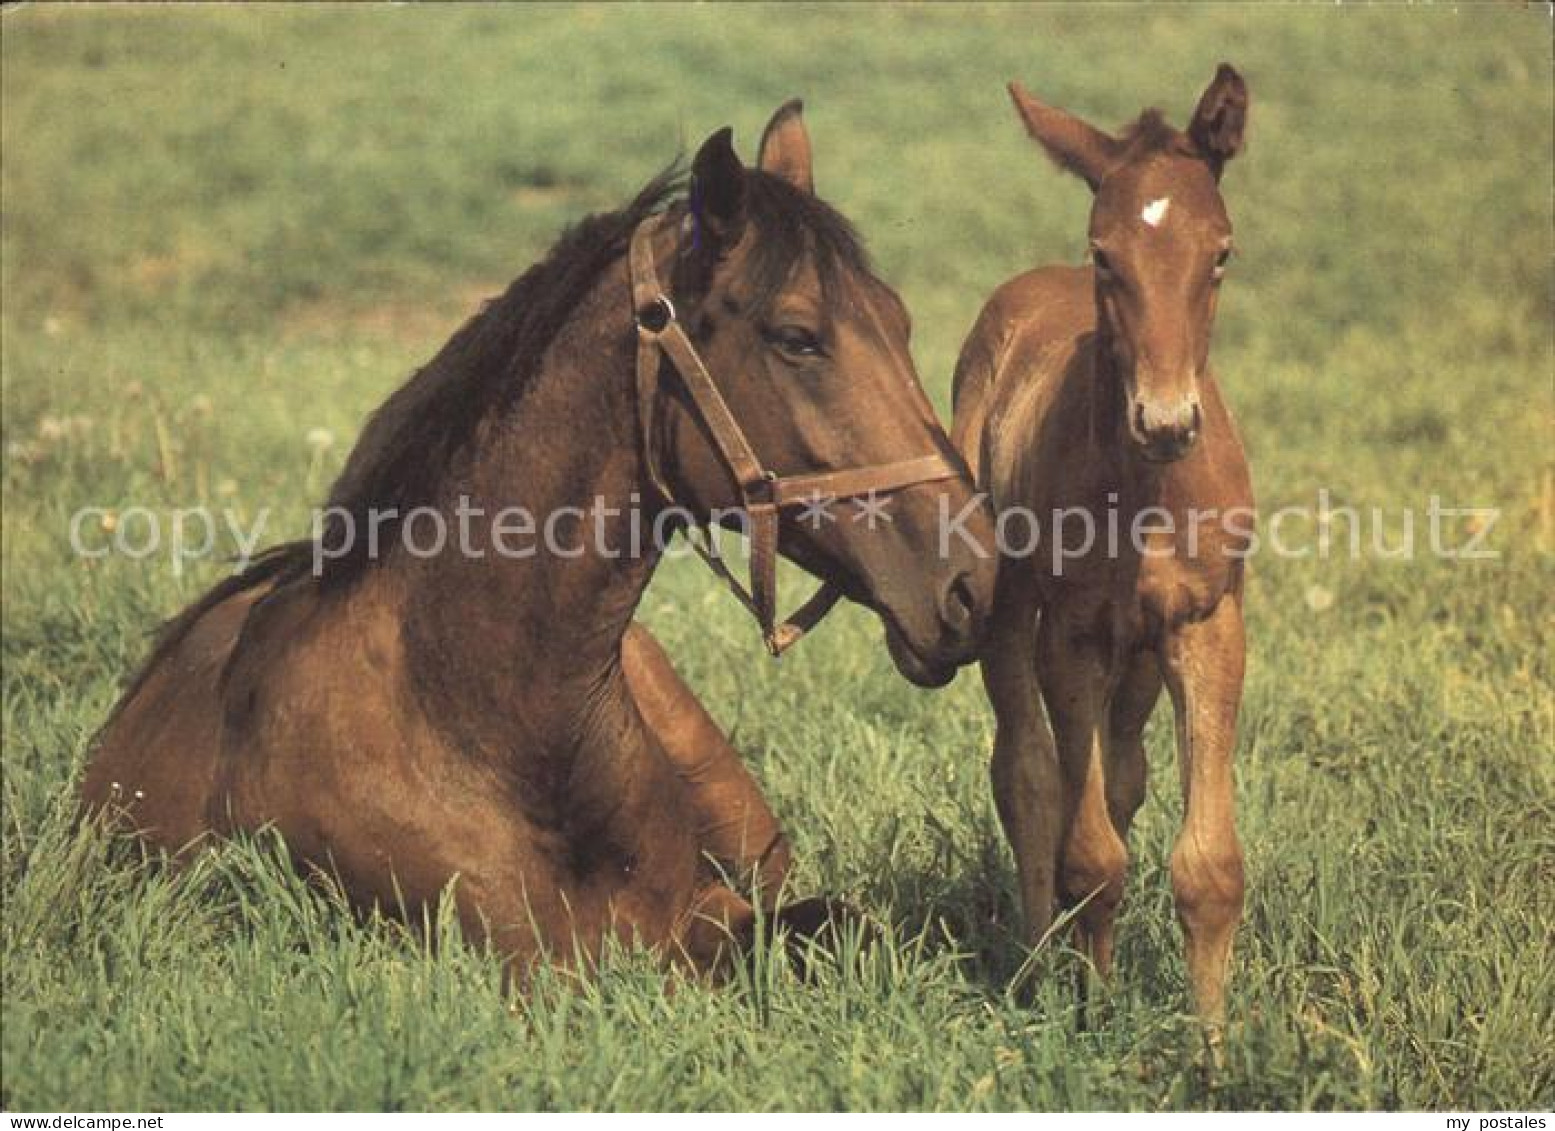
{"x": 1154, "y": 212}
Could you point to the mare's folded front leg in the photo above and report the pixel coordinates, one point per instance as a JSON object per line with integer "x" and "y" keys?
{"x": 736, "y": 826}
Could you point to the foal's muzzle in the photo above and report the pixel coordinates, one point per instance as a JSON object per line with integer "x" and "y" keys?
{"x": 1165, "y": 430}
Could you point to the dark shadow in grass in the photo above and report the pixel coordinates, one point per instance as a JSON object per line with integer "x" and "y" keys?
{"x": 964, "y": 905}
{"x": 967, "y": 909}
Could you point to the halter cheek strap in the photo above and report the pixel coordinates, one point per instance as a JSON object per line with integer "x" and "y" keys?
{"x": 763, "y": 493}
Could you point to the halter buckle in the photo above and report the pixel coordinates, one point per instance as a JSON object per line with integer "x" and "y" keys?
{"x": 761, "y": 490}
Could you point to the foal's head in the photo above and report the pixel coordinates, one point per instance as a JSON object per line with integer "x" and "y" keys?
{"x": 1160, "y": 241}
{"x": 811, "y": 351}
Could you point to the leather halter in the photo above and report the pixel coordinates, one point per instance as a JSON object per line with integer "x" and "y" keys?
{"x": 763, "y": 493}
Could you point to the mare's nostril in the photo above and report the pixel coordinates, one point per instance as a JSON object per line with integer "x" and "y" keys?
{"x": 1198, "y": 420}
{"x": 1139, "y": 418}
{"x": 957, "y": 608}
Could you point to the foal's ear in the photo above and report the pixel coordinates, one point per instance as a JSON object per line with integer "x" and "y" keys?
{"x": 718, "y": 192}
{"x": 1072, "y": 144}
{"x": 785, "y": 147}
{"x": 1216, "y": 129}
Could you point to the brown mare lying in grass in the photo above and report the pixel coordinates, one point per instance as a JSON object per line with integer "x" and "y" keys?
{"x": 1089, "y": 388}
{"x": 498, "y": 722}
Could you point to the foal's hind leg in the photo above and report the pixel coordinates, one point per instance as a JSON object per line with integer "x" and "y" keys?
{"x": 1027, "y": 788}
{"x": 736, "y": 826}
{"x": 1204, "y": 665}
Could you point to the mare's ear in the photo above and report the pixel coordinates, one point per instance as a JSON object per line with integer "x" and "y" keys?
{"x": 1071, "y": 143}
{"x": 718, "y": 193}
{"x": 1216, "y": 129}
{"x": 785, "y": 147}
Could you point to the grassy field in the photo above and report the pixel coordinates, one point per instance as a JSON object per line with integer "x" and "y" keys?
{"x": 229, "y": 234}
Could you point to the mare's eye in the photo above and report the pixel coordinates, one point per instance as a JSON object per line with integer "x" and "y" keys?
{"x": 1220, "y": 262}
{"x": 795, "y": 341}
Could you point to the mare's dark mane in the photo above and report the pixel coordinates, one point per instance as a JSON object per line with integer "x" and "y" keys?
{"x": 414, "y": 438}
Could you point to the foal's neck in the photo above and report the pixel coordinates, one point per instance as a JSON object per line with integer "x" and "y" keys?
{"x": 517, "y": 656}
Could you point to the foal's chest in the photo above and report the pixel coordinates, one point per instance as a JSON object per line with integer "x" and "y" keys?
{"x": 1148, "y": 572}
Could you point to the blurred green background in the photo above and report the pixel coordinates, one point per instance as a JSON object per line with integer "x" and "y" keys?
{"x": 228, "y": 234}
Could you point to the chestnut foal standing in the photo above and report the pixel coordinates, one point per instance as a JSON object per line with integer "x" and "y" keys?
{"x": 1087, "y": 389}
{"x": 490, "y": 718}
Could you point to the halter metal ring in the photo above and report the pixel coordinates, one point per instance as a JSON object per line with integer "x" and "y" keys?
{"x": 656, "y": 314}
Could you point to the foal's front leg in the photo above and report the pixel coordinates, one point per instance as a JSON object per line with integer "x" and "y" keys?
{"x": 1203, "y": 663}
{"x": 1077, "y": 679}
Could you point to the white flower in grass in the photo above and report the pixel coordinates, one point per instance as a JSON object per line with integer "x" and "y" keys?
{"x": 1319, "y": 598}
{"x": 62, "y": 429}
{"x": 320, "y": 440}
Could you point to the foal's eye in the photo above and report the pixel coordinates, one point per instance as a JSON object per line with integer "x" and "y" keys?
{"x": 1103, "y": 264}
{"x": 1220, "y": 262}
{"x": 795, "y": 341}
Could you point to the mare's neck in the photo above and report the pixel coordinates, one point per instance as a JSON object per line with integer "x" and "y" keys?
{"x": 514, "y": 648}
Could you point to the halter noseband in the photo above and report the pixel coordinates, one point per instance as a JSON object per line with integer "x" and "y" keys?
{"x": 763, "y": 493}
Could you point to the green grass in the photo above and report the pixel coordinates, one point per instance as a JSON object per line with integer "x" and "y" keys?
{"x": 225, "y": 229}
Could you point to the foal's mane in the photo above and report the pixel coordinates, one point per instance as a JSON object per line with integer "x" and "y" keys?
{"x": 1151, "y": 133}
{"x": 410, "y": 442}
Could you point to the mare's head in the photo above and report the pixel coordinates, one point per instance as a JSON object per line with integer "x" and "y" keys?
{"x": 810, "y": 350}
{"x": 1160, "y": 242}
